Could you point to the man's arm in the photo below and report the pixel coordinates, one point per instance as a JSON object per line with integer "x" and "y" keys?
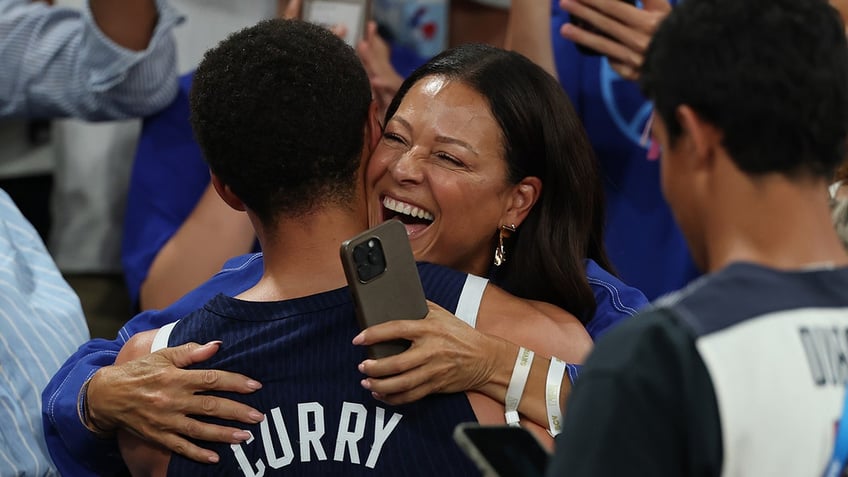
{"x": 74, "y": 448}
{"x": 188, "y": 258}
{"x": 62, "y": 62}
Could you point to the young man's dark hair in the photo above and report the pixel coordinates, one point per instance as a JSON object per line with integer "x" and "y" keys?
{"x": 742, "y": 372}
{"x": 771, "y": 74}
{"x": 307, "y": 147}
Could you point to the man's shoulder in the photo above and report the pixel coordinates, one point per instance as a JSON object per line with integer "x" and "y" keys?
{"x": 655, "y": 333}
{"x": 745, "y": 291}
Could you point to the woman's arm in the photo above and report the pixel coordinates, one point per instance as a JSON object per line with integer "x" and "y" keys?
{"x": 79, "y": 452}
{"x": 448, "y": 356}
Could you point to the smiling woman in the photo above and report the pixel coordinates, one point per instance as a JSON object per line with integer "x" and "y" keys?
{"x": 481, "y": 141}
{"x": 482, "y": 157}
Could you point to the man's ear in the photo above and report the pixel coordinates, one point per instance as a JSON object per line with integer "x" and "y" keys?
{"x": 373, "y": 128}
{"x": 703, "y": 138}
{"x": 522, "y": 197}
{"x": 227, "y": 194}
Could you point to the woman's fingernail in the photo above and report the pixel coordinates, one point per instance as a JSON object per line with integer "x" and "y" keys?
{"x": 255, "y": 416}
{"x": 358, "y": 339}
{"x": 242, "y": 435}
{"x": 253, "y": 384}
{"x": 365, "y": 384}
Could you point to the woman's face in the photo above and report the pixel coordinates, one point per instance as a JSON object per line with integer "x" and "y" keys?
{"x": 439, "y": 168}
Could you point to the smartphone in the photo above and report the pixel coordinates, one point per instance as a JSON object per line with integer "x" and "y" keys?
{"x": 353, "y": 14}
{"x": 502, "y": 451}
{"x": 383, "y": 278}
{"x": 577, "y": 21}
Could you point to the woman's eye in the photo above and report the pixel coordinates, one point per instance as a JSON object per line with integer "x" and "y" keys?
{"x": 392, "y": 137}
{"x": 451, "y": 160}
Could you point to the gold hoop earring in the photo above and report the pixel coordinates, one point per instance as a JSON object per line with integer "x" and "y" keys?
{"x": 500, "y": 251}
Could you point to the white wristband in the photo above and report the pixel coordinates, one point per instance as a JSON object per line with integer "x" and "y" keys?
{"x": 556, "y": 371}
{"x": 516, "y": 385}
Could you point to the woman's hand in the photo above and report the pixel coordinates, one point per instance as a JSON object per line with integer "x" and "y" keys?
{"x": 629, "y": 30}
{"x": 374, "y": 53}
{"x": 152, "y": 397}
{"x": 446, "y": 356}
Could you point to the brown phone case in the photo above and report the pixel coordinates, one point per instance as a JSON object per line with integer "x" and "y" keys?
{"x": 383, "y": 279}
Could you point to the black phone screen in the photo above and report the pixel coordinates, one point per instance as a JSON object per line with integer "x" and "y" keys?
{"x": 508, "y": 450}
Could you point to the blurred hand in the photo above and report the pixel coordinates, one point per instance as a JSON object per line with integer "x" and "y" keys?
{"x": 289, "y": 9}
{"x": 374, "y": 53}
{"x": 293, "y": 10}
{"x": 446, "y": 356}
{"x": 152, "y": 397}
{"x": 629, "y": 29}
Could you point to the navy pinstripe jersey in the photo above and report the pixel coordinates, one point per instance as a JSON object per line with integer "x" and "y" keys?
{"x": 318, "y": 419}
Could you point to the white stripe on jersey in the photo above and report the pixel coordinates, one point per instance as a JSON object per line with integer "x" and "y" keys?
{"x": 763, "y": 372}
{"x": 470, "y": 298}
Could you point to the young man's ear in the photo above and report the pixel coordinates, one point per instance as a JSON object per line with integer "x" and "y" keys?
{"x": 703, "y": 139}
{"x": 373, "y": 128}
{"x": 521, "y": 200}
{"x": 227, "y": 194}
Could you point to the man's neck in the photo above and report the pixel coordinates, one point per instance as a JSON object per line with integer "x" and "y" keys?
{"x": 302, "y": 255}
{"x": 776, "y": 222}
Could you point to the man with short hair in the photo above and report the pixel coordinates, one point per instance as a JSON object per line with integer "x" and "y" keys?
{"x": 743, "y": 372}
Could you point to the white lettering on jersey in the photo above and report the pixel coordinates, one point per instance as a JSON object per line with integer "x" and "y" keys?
{"x": 283, "y": 437}
{"x": 313, "y": 436}
{"x": 347, "y": 438}
{"x": 310, "y": 429}
{"x": 381, "y": 434}
{"x": 244, "y": 465}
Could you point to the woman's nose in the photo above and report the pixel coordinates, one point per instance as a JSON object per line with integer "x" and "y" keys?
{"x": 407, "y": 168}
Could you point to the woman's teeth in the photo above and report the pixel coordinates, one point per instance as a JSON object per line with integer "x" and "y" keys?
{"x": 406, "y": 209}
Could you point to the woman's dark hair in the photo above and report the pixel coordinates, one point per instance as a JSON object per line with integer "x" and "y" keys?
{"x": 542, "y": 137}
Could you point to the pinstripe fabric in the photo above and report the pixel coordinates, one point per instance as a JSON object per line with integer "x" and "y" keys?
{"x": 41, "y": 324}
{"x": 56, "y": 62}
{"x": 300, "y": 351}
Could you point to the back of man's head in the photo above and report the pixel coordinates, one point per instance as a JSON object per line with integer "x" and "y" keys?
{"x": 772, "y": 75}
{"x": 279, "y": 110}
